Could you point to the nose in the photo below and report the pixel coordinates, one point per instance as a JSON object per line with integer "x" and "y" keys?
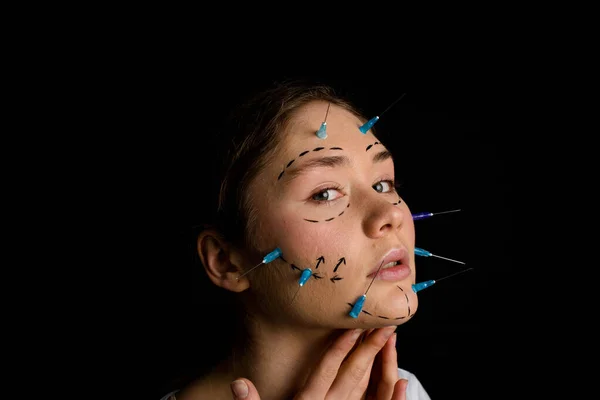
{"x": 382, "y": 217}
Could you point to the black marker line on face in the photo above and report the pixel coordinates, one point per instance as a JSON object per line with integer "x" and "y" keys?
{"x": 366, "y": 312}
{"x": 316, "y": 275}
{"x": 407, "y": 303}
{"x": 341, "y": 260}
{"x": 371, "y": 145}
{"x": 409, "y": 315}
{"x": 319, "y": 261}
{"x": 302, "y": 155}
{"x": 328, "y": 219}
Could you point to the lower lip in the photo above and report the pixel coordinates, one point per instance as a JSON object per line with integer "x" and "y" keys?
{"x": 392, "y": 274}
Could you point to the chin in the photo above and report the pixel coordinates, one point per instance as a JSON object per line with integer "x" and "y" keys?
{"x": 394, "y": 308}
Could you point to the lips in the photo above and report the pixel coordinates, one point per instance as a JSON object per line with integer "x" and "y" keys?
{"x": 392, "y": 272}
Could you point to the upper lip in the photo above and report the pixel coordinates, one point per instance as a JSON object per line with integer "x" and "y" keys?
{"x": 396, "y": 254}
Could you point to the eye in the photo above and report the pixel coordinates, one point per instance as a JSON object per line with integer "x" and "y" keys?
{"x": 328, "y": 194}
{"x": 384, "y": 186}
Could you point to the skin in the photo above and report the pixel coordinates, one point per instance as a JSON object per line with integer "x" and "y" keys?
{"x": 292, "y": 331}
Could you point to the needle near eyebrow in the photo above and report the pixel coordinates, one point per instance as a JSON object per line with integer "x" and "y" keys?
{"x": 369, "y": 124}
{"x": 391, "y": 105}
{"x": 322, "y": 132}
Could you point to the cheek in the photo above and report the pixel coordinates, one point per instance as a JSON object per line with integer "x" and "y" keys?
{"x": 307, "y": 239}
{"x": 408, "y": 226}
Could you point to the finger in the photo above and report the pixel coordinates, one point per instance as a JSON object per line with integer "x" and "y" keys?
{"x": 363, "y": 385}
{"x": 400, "y": 390}
{"x": 320, "y": 380}
{"x": 243, "y": 389}
{"x": 375, "y": 376}
{"x": 361, "y": 338}
{"x": 356, "y": 365}
{"x": 388, "y": 363}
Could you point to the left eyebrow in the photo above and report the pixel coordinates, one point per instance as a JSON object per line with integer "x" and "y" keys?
{"x": 324, "y": 162}
{"x": 327, "y": 162}
{"x": 382, "y": 156}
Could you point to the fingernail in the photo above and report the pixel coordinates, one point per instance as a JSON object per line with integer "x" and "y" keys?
{"x": 239, "y": 389}
{"x": 394, "y": 339}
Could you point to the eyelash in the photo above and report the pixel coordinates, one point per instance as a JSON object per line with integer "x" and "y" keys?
{"x": 393, "y": 189}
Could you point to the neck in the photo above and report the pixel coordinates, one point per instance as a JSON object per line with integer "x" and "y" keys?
{"x": 276, "y": 358}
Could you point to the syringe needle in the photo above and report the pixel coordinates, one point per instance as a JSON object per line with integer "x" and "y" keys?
{"x": 357, "y": 308}
{"x": 267, "y": 259}
{"x": 391, "y": 105}
{"x": 449, "y": 259}
{"x": 423, "y": 215}
{"x": 456, "y": 273}
{"x": 250, "y": 270}
{"x": 423, "y": 285}
{"x": 446, "y": 212}
{"x": 369, "y": 124}
{"x": 425, "y": 253}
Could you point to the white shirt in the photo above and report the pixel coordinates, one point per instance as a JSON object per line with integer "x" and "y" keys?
{"x": 414, "y": 390}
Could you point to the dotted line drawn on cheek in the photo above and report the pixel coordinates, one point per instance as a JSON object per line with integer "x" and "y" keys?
{"x": 408, "y": 314}
{"x": 328, "y": 219}
{"x": 289, "y": 164}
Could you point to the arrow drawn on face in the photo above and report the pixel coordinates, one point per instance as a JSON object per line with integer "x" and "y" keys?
{"x": 319, "y": 261}
{"x": 341, "y": 260}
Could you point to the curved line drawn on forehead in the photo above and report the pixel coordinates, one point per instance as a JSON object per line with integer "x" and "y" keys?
{"x": 382, "y": 155}
{"x": 371, "y": 145}
{"x": 331, "y": 161}
{"x": 312, "y": 164}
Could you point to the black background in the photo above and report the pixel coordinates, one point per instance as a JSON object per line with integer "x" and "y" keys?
{"x": 447, "y": 157}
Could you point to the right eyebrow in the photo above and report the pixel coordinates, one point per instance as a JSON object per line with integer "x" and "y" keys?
{"x": 321, "y": 162}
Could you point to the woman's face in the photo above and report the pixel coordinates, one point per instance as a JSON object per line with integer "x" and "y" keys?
{"x": 330, "y": 205}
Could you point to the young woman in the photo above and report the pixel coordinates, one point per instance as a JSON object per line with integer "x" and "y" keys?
{"x": 308, "y": 188}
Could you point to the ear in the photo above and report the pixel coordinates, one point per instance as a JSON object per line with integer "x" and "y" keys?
{"x": 221, "y": 261}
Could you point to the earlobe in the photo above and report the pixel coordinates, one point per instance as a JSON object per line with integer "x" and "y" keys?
{"x": 220, "y": 261}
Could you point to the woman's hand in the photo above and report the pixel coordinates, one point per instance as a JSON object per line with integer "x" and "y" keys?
{"x": 384, "y": 374}
{"x": 344, "y": 372}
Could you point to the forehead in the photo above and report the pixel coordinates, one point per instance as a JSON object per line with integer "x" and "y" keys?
{"x": 342, "y": 130}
